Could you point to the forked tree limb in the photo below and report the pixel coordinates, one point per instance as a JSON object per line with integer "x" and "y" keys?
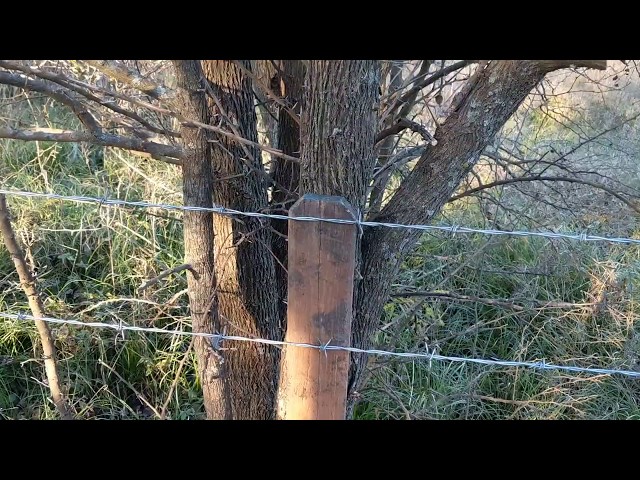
{"x": 497, "y": 92}
{"x": 408, "y": 97}
{"x": 37, "y": 309}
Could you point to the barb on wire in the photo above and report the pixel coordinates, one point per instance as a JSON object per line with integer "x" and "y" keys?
{"x": 228, "y": 211}
{"x": 430, "y": 356}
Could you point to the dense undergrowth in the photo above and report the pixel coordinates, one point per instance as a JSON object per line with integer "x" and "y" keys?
{"x": 91, "y": 260}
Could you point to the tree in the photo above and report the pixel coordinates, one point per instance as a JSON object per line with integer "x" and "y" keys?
{"x": 335, "y": 136}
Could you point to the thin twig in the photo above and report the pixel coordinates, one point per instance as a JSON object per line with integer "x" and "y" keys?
{"x": 403, "y": 124}
{"x": 166, "y": 273}
{"x": 541, "y": 178}
{"x": 37, "y": 309}
{"x": 506, "y": 303}
{"x": 272, "y": 151}
{"x": 117, "y": 300}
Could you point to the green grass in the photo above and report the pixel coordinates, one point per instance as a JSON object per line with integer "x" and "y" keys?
{"x": 577, "y": 272}
{"x": 90, "y": 262}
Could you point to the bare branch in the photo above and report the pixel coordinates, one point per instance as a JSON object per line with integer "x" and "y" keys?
{"x": 413, "y": 91}
{"x": 540, "y": 178}
{"x": 101, "y": 138}
{"x": 238, "y": 138}
{"x": 462, "y": 137}
{"x": 83, "y": 114}
{"x": 159, "y": 151}
{"x": 410, "y": 100}
{"x": 550, "y": 65}
{"x": 84, "y": 91}
{"x": 403, "y": 124}
{"x": 28, "y": 284}
{"x": 166, "y": 273}
{"x": 400, "y": 158}
{"x": 121, "y": 73}
{"x": 513, "y": 304}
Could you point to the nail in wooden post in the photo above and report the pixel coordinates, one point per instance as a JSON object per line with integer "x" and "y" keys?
{"x": 313, "y": 383}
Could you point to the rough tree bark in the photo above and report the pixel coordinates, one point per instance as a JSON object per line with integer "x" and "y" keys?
{"x": 338, "y": 128}
{"x": 490, "y": 99}
{"x": 199, "y": 238}
{"x": 247, "y": 292}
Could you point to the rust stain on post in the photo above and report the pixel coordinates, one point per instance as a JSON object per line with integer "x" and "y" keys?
{"x": 313, "y": 383}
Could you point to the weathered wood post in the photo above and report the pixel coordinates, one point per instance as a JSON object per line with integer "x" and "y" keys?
{"x": 313, "y": 383}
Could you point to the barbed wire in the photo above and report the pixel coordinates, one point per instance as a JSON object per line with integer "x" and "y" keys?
{"x": 359, "y": 222}
{"x": 430, "y": 356}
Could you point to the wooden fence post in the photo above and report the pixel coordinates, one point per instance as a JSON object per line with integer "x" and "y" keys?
{"x": 313, "y": 383}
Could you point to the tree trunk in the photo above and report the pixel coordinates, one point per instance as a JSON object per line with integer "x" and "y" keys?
{"x": 337, "y": 131}
{"x": 338, "y": 127}
{"x": 267, "y": 109}
{"x": 247, "y": 292}
{"x": 199, "y": 239}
